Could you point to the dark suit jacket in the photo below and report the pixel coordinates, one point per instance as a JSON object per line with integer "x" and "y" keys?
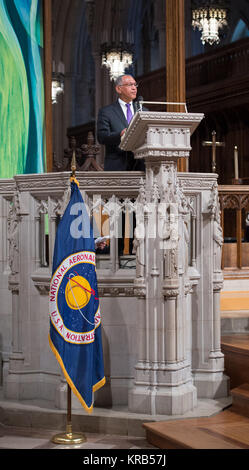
{"x": 111, "y": 121}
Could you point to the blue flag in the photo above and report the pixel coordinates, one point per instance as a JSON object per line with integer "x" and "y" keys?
{"x": 75, "y": 319}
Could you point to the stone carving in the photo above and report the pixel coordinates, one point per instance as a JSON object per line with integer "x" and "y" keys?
{"x": 214, "y": 207}
{"x": 61, "y": 204}
{"x": 42, "y": 207}
{"x": 168, "y": 320}
{"x": 13, "y": 233}
{"x": 197, "y": 182}
{"x": 170, "y": 292}
{"x": 139, "y": 232}
{"x": 218, "y": 239}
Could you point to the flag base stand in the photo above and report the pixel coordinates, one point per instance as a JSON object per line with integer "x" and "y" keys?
{"x": 69, "y": 437}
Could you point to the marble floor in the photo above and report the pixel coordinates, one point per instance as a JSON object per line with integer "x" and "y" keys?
{"x": 26, "y": 438}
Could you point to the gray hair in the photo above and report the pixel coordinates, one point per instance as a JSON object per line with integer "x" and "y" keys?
{"x": 119, "y": 80}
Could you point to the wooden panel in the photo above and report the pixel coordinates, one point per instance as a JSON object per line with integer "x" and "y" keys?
{"x": 217, "y": 85}
{"x": 175, "y": 61}
{"x": 226, "y": 66}
{"x": 175, "y": 54}
{"x": 230, "y": 255}
{"x": 81, "y": 132}
{"x": 236, "y": 351}
{"x": 241, "y": 399}
{"x": 245, "y": 254}
{"x": 227, "y": 430}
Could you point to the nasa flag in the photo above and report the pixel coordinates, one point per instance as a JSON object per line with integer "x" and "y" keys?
{"x": 75, "y": 319}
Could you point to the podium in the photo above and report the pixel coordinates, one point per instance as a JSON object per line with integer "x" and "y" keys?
{"x": 160, "y": 135}
{"x": 164, "y": 382}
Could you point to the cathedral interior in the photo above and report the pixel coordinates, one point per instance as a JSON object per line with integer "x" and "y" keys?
{"x": 175, "y": 326}
{"x": 216, "y": 75}
{"x": 215, "y": 82}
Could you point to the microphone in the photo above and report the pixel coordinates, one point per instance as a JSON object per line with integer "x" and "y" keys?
{"x": 139, "y": 104}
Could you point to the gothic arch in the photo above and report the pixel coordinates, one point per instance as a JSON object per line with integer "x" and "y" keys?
{"x": 240, "y": 12}
{"x": 70, "y": 46}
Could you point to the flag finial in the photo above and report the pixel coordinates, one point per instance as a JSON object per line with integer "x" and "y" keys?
{"x": 73, "y": 163}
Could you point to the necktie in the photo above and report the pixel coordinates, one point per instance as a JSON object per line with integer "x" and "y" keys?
{"x": 129, "y": 113}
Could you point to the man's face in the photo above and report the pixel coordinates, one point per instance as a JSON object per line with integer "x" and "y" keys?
{"x": 127, "y": 91}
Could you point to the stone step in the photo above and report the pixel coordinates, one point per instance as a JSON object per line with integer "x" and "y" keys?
{"x": 234, "y": 301}
{"x": 234, "y": 310}
{"x": 234, "y": 323}
{"x": 33, "y": 414}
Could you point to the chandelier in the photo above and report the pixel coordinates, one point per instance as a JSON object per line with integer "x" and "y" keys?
{"x": 58, "y": 78}
{"x": 209, "y": 17}
{"x": 117, "y": 62}
{"x": 116, "y": 55}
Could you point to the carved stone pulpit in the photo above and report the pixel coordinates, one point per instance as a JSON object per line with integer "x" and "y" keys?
{"x": 161, "y": 325}
{"x": 164, "y": 382}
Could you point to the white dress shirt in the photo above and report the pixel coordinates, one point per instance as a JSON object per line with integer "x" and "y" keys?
{"x": 124, "y": 108}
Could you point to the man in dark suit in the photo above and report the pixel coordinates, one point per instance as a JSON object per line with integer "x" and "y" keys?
{"x": 113, "y": 121}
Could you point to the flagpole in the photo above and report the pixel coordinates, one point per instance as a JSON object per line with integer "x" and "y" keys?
{"x": 69, "y": 437}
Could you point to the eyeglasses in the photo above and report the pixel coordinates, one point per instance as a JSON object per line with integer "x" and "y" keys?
{"x": 130, "y": 84}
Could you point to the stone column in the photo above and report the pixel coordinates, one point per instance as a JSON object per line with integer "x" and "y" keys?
{"x": 163, "y": 383}
{"x": 208, "y": 360}
{"x": 16, "y": 358}
{"x": 217, "y": 272}
{"x": 163, "y": 380}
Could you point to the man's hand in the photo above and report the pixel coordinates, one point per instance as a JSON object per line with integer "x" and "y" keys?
{"x": 101, "y": 245}
{"x": 123, "y": 131}
{"x": 100, "y": 242}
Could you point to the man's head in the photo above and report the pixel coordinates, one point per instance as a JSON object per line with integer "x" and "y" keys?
{"x": 126, "y": 88}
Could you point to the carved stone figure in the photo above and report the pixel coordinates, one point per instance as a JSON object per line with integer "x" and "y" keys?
{"x": 13, "y": 234}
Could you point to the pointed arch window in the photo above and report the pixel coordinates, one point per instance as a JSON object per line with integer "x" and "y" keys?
{"x": 241, "y": 31}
